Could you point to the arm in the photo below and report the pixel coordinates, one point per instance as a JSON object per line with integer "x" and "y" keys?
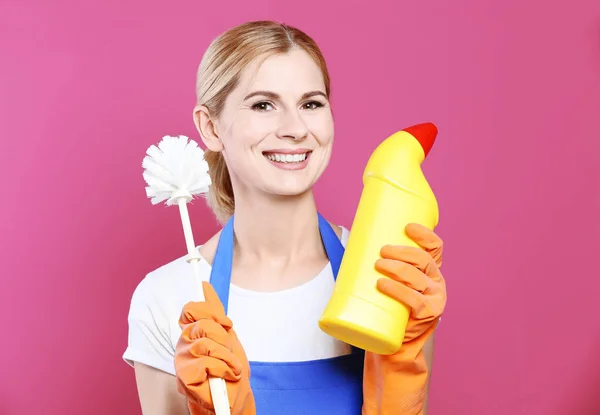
{"x": 157, "y": 392}
{"x": 428, "y": 352}
{"x": 150, "y": 351}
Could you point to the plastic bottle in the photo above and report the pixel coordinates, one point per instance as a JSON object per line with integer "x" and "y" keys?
{"x": 395, "y": 193}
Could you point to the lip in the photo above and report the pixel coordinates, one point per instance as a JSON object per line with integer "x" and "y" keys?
{"x": 288, "y": 151}
{"x": 289, "y": 166}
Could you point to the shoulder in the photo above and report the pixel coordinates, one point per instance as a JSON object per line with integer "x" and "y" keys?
{"x": 208, "y": 249}
{"x": 344, "y": 236}
{"x": 171, "y": 274}
{"x": 166, "y": 289}
{"x": 342, "y": 232}
{"x": 154, "y": 312}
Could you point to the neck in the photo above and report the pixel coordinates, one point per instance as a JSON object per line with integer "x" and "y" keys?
{"x": 283, "y": 227}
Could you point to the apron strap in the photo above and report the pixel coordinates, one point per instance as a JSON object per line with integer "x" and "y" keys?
{"x": 220, "y": 276}
{"x": 333, "y": 245}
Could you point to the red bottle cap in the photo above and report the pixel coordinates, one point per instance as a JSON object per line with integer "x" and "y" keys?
{"x": 425, "y": 134}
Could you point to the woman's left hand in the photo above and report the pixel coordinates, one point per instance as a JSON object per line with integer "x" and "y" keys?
{"x": 415, "y": 279}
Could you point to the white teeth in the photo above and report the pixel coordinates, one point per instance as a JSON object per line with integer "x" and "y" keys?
{"x": 287, "y": 158}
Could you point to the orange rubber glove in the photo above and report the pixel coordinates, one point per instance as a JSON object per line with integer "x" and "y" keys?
{"x": 397, "y": 384}
{"x": 208, "y": 346}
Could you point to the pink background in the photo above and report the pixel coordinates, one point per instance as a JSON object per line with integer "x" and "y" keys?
{"x": 513, "y": 86}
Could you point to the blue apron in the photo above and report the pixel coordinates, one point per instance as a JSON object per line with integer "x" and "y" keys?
{"x": 327, "y": 386}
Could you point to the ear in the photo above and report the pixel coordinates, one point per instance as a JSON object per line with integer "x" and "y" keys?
{"x": 207, "y": 128}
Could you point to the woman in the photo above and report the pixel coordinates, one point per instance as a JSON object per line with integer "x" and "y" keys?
{"x": 263, "y": 114}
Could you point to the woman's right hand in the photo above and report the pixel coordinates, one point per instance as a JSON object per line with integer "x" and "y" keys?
{"x": 208, "y": 346}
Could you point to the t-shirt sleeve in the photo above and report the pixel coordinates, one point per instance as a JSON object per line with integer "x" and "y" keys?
{"x": 148, "y": 338}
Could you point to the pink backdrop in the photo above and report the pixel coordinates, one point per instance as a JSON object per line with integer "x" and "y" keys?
{"x": 514, "y": 88}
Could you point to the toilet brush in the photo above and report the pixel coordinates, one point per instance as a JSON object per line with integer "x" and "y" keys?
{"x": 176, "y": 171}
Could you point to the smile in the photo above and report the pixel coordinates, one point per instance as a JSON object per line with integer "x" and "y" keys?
{"x": 287, "y": 158}
{"x": 295, "y": 160}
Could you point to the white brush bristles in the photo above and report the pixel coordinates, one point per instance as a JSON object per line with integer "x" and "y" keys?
{"x": 175, "y": 168}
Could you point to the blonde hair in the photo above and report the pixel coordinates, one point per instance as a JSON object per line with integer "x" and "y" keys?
{"x": 218, "y": 74}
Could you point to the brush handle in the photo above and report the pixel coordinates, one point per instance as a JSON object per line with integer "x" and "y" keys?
{"x": 218, "y": 389}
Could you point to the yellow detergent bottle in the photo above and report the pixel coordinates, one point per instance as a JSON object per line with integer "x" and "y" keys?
{"x": 395, "y": 194}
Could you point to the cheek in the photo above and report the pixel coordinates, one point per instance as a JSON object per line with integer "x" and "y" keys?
{"x": 245, "y": 132}
{"x": 251, "y": 129}
{"x": 322, "y": 128}
{"x": 261, "y": 125}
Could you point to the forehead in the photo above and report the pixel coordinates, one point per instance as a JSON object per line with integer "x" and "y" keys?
{"x": 294, "y": 72}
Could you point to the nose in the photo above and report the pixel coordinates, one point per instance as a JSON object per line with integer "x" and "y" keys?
{"x": 291, "y": 126}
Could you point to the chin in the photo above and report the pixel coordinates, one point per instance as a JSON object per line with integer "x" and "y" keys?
{"x": 289, "y": 189}
{"x": 292, "y": 179}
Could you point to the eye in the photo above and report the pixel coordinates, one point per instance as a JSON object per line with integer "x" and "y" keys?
{"x": 312, "y": 105}
{"x": 262, "y": 106}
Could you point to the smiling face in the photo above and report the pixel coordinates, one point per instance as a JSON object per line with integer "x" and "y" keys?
{"x": 276, "y": 128}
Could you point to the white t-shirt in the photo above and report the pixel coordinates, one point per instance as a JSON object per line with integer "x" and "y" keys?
{"x": 272, "y": 326}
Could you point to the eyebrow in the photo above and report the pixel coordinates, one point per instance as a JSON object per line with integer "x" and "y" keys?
{"x": 274, "y": 96}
